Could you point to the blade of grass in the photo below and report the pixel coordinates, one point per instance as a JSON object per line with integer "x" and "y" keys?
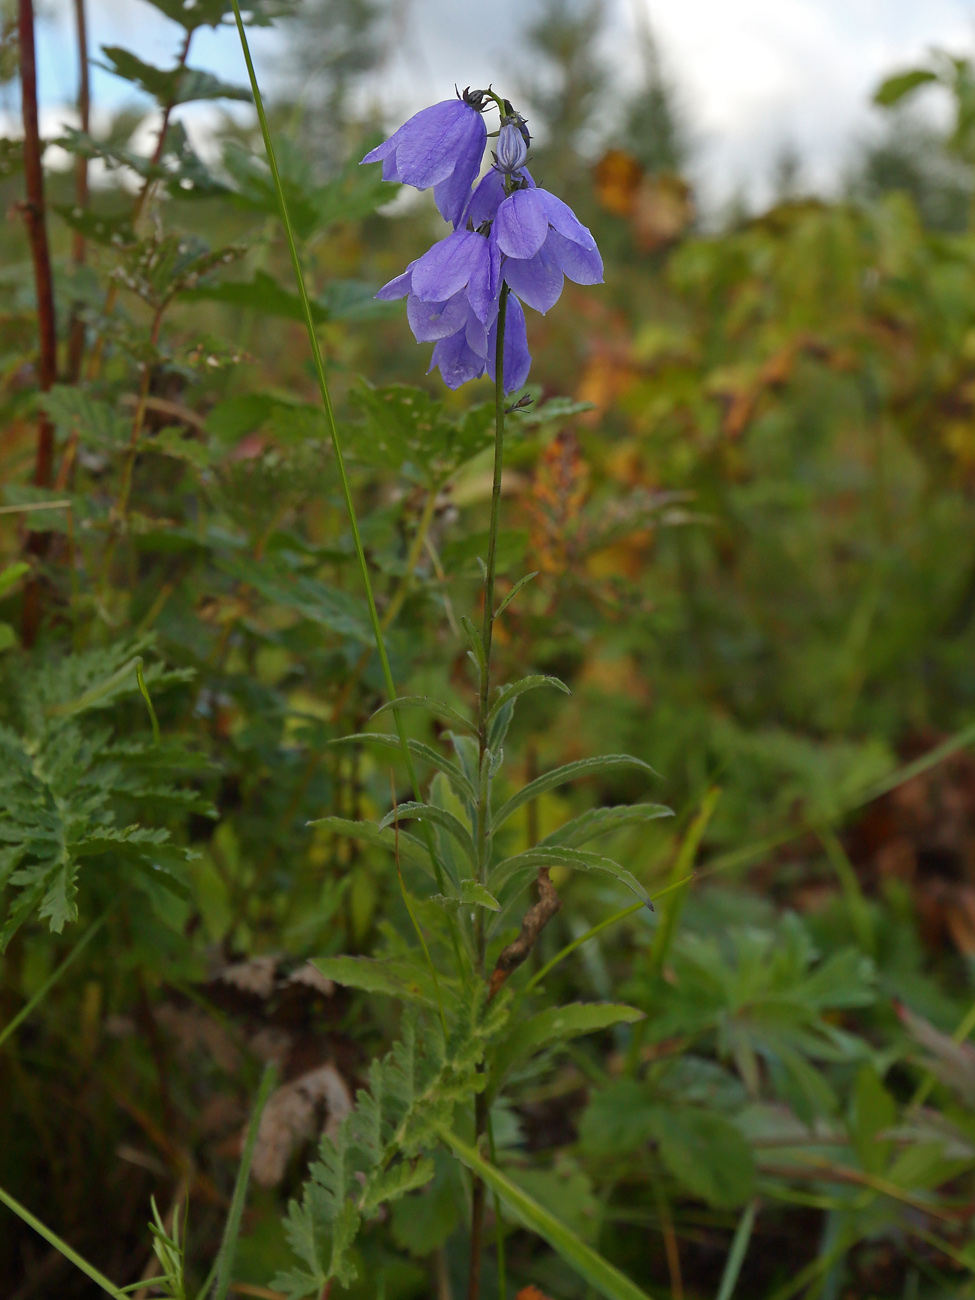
{"x": 54, "y": 1240}
{"x": 228, "y": 1246}
{"x": 598, "y": 1272}
{"x": 12, "y": 1025}
{"x": 736, "y": 1256}
{"x": 752, "y": 852}
{"x": 591, "y": 933}
{"x": 333, "y": 433}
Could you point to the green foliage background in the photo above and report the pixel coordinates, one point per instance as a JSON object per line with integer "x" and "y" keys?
{"x": 745, "y": 491}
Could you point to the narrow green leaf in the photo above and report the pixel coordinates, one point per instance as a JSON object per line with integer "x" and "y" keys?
{"x": 894, "y": 89}
{"x": 522, "y": 582}
{"x": 429, "y": 812}
{"x": 435, "y": 706}
{"x": 736, "y": 1256}
{"x": 410, "y": 849}
{"x": 519, "y": 688}
{"x": 396, "y": 979}
{"x": 561, "y": 855}
{"x": 60, "y": 1246}
{"x": 228, "y": 1245}
{"x": 422, "y": 751}
{"x": 603, "y": 821}
{"x": 583, "y": 767}
{"x": 592, "y": 1267}
{"x": 11, "y": 575}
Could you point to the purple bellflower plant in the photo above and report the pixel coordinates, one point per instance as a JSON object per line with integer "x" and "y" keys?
{"x": 440, "y": 146}
{"x": 509, "y": 237}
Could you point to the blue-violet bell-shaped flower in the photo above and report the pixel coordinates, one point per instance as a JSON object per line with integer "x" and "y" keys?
{"x": 543, "y": 241}
{"x": 440, "y": 146}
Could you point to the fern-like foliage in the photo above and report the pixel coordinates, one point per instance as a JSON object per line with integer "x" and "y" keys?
{"x": 381, "y": 1151}
{"x": 71, "y": 793}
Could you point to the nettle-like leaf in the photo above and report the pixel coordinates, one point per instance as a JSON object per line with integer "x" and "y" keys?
{"x": 161, "y": 267}
{"x": 95, "y": 423}
{"x": 68, "y": 788}
{"x": 382, "y": 1150}
{"x": 411, "y": 432}
{"x": 191, "y": 14}
{"x": 172, "y": 86}
{"x": 312, "y": 206}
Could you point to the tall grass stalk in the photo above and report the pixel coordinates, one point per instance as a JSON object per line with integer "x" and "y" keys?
{"x": 333, "y": 433}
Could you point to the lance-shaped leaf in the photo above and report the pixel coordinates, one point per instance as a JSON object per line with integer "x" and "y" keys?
{"x": 568, "y": 772}
{"x": 410, "y": 849}
{"x": 562, "y": 855}
{"x": 428, "y": 812}
{"x": 602, "y": 821}
{"x": 437, "y": 707}
{"x": 532, "y": 683}
{"x": 427, "y": 753}
{"x": 554, "y": 1025}
{"x": 397, "y": 979}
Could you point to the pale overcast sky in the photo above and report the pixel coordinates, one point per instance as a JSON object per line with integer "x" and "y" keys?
{"x": 756, "y": 76}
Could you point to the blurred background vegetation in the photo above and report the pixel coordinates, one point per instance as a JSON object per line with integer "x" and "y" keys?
{"x": 754, "y": 539}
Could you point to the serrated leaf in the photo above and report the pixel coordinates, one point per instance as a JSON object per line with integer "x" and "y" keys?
{"x": 583, "y": 767}
{"x": 178, "y": 85}
{"x": 408, "y": 430}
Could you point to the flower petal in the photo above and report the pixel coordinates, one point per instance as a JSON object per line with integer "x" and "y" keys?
{"x": 456, "y": 361}
{"x": 517, "y": 359}
{"x": 537, "y": 280}
{"x": 484, "y": 288}
{"x": 398, "y": 287}
{"x": 430, "y": 145}
{"x": 437, "y": 320}
{"x": 521, "y": 224}
{"x": 485, "y": 200}
{"x": 446, "y": 267}
{"x": 565, "y": 221}
{"x": 583, "y": 265}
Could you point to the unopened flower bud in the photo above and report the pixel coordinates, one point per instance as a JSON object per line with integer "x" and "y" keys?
{"x": 512, "y": 149}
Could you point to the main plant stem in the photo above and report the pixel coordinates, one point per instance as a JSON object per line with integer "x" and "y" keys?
{"x": 483, "y": 809}
{"x": 35, "y": 218}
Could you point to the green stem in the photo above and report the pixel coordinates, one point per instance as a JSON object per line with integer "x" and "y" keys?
{"x": 52, "y": 979}
{"x": 62, "y": 1246}
{"x": 333, "y": 433}
{"x": 484, "y": 785}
